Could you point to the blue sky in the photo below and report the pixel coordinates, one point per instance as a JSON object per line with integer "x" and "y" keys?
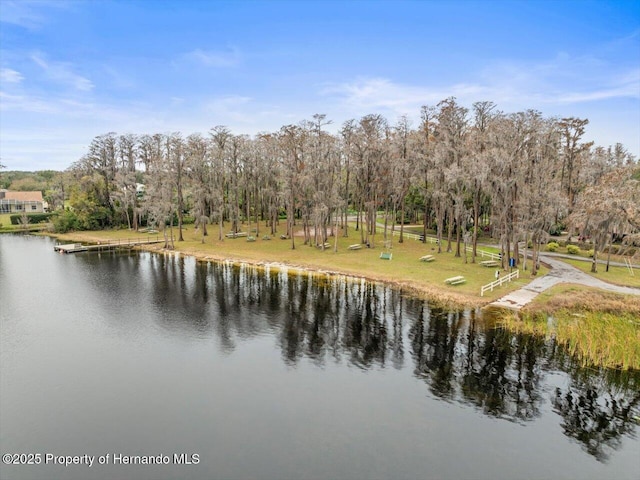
{"x": 71, "y": 70}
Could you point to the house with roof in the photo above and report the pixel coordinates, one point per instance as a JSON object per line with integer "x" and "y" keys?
{"x": 21, "y": 202}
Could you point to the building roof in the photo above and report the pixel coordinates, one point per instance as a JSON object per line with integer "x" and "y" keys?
{"x": 23, "y": 196}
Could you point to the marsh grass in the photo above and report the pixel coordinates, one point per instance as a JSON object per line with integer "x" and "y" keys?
{"x": 599, "y": 328}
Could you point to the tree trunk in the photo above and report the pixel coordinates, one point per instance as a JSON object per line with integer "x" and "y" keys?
{"x": 458, "y": 236}
{"x": 401, "y": 223}
{"x": 476, "y": 219}
{"x": 449, "y": 230}
{"x": 608, "y": 251}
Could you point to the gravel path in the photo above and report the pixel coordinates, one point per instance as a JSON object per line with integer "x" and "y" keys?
{"x": 560, "y": 273}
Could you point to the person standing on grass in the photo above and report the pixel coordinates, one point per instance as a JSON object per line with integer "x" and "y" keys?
{"x": 497, "y": 274}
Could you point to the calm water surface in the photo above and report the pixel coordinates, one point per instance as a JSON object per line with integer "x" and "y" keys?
{"x": 276, "y": 375}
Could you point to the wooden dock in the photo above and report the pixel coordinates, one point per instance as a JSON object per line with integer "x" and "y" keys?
{"x": 101, "y": 247}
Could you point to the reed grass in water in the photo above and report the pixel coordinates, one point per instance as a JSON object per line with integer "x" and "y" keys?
{"x": 599, "y": 329}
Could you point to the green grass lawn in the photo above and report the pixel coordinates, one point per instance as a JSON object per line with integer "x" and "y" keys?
{"x": 404, "y": 268}
{"x": 7, "y": 227}
{"x": 5, "y": 219}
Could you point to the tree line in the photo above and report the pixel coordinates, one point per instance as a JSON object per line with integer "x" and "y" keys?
{"x": 459, "y": 173}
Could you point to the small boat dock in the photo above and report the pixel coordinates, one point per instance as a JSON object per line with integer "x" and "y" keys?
{"x": 101, "y": 247}
{"x": 70, "y": 248}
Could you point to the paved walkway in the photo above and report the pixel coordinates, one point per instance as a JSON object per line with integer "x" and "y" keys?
{"x": 561, "y": 272}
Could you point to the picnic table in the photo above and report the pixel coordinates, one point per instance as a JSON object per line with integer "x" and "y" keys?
{"x": 236, "y": 234}
{"x": 386, "y": 255}
{"x": 490, "y": 263}
{"x": 455, "y": 280}
{"x": 355, "y": 246}
{"x": 427, "y": 258}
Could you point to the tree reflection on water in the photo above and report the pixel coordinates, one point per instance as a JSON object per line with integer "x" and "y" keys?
{"x": 460, "y": 357}
{"x": 598, "y": 409}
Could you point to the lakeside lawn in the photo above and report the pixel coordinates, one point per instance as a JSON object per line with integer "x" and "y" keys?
{"x": 404, "y": 269}
{"x": 7, "y": 227}
{"x": 5, "y": 220}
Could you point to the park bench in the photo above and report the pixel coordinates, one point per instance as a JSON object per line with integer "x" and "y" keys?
{"x": 427, "y": 258}
{"x": 355, "y": 246}
{"x": 386, "y": 255}
{"x": 455, "y": 280}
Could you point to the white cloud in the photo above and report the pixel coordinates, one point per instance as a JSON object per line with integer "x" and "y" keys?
{"x": 513, "y": 86}
{"x": 117, "y": 78}
{"x": 8, "y": 75}
{"x": 227, "y": 102}
{"x": 625, "y": 86}
{"x": 561, "y": 80}
{"x": 62, "y": 73}
{"x": 22, "y": 103}
{"x": 231, "y": 108}
{"x": 367, "y": 94}
{"x": 214, "y": 59}
{"x": 28, "y": 14}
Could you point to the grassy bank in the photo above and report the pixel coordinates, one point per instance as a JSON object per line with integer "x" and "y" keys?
{"x": 7, "y": 227}
{"x": 600, "y": 328}
{"x": 404, "y": 270}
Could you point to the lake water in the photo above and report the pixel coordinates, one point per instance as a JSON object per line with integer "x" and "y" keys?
{"x": 247, "y": 374}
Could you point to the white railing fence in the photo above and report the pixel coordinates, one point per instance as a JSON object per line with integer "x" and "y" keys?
{"x": 500, "y": 281}
{"x": 484, "y": 253}
{"x": 480, "y": 252}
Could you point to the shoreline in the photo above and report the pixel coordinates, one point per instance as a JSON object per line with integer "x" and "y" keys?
{"x": 406, "y": 274}
{"x": 418, "y": 290}
{"x": 422, "y": 292}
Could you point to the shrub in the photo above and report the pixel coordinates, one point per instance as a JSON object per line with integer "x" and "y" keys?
{"x": 556, "y": 229}
{"x": 552, "y": 246}
{"x": 65, "y": 222}
{"x": 573, "y": 249}
{"x": 590, "y": 253}
{"x": 33, "y": 218}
